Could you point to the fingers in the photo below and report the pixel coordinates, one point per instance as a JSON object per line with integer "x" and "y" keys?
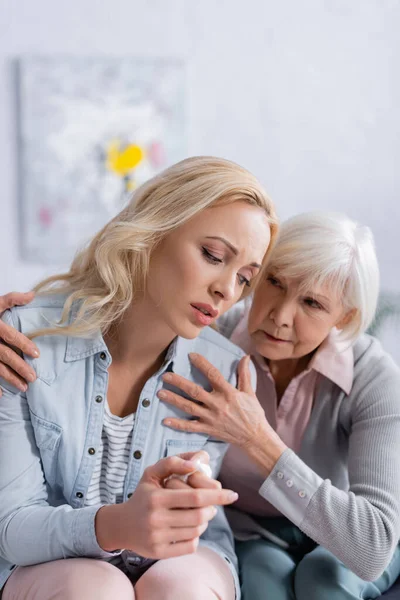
{"x": 191, "y": 389}
{"x": 12, "y": 378}
{"x": 244, "y": 375}
{"x": 197, "y": 480}
{"x": 15, "y": 299}
{"x": 179, "y": 549}
{"x": 194, "y": 498}
{"x": 10, "y": 359}
{"x": 191, "y": 408}
{"x": 190, "y": 518}
{"x": 191, "y": 426}
{"x": 15, "y": 338}
{"x": 216, "y": 378}
{"x": 173, "y": 465}
{"x": 184, "y": 534}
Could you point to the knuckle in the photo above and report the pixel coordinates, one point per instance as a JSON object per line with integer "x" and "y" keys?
{"x": 195, "y": 391}
{"x": 213, "y": 374}
{"x": 197, "y": 497}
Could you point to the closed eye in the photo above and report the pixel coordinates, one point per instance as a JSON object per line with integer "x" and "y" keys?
{"x": 210, "y": 257}
{"x": 243, "y": 280}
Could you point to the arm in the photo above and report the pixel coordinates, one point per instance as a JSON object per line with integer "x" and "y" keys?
{"x": 360, "y": 526}
{"x": 32, "y": 531}
{"x": 13, "y": 368}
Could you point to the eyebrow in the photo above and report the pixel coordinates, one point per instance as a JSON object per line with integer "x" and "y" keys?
{"x": 231, "y": 247}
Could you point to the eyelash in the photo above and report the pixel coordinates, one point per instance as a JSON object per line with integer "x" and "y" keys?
{"x": 215, "y": 261}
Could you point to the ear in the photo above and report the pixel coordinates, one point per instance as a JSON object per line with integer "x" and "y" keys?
{"x": 346, "y": 319}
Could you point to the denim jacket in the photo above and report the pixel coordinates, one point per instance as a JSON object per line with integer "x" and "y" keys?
{"x": 49, "y": 436}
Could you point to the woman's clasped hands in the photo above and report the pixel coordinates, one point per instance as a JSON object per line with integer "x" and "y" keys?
{"x": 165, "y": 516}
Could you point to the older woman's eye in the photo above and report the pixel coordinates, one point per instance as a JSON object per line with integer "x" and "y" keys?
{"x": 313, "y": 303}
{"x": 273, "y": 281}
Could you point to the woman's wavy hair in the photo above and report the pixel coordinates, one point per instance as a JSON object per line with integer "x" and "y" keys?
{"x": 107, "y": 275}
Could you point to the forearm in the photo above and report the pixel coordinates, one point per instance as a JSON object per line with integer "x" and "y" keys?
{"x": 39, "y": 534}
{"x": 265, "y": 449}
{"x": 360, "y": 529}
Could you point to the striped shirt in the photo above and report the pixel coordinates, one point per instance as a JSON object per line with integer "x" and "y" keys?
{"x": 108, "y": 478}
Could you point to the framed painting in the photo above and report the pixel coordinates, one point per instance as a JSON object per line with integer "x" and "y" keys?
{"x": 90, "y": 131}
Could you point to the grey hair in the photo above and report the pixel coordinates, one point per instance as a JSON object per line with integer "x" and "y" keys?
{"x": 321, "y": 248}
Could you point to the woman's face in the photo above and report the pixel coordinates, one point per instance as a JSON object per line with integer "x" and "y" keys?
{"x": 285, "y": 323}
{"x": 202, "y": 268}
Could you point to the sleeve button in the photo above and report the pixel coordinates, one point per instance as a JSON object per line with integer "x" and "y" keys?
{"x": 279, "y": 475}
{"x": 302, "y": 494}
{"x": 289, "y": 483}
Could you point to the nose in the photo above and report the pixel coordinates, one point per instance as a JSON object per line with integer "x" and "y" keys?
{"x": 282, "y": 314}
{"x": 225, "y": 287}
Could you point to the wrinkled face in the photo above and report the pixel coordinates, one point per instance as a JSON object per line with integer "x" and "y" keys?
{"x": 201, "y": 269}
{"x": 285, "y": 323}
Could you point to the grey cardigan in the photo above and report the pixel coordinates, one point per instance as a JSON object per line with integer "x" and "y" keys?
{"x": 343, "y": 488}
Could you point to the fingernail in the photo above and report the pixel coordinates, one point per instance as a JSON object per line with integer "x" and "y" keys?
{"x": 193, "y": 355}
{"x": 23, "y": 387}
{"x": 162, "y": 394}
{"x": 35, "y": 353}
{"x": 233, "y": 496}
{"x": 31, "y": 377}
{"x": 167, "y": 422}
{"x": 167, "y": 376}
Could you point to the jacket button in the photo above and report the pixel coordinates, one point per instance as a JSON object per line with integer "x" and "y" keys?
{"x": 130, "y": 495}
{"x": 103, "y": 355}
{"x": 79, "y": 495}
{"x": 137, "y": 454}
{"x": 92, "y": 451}
{"x": 146, "y": 402}
{"x": 99, "y": 399}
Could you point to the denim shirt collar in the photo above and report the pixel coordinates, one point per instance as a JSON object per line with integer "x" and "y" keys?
{"x": 78, "y": 348}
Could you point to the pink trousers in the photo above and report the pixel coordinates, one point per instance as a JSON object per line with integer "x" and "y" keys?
{"x": 200, "y": 576}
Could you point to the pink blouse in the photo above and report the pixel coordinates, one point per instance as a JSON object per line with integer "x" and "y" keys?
{"x": 334, "y": 360}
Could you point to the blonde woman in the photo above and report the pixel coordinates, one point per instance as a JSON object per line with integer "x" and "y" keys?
{"x": 315, "y": 454}
{"x": 85, "y": 460}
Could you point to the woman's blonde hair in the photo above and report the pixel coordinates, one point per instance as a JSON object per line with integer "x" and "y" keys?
{"x": 105, "y": 277}
{"x": 320, "y": 248}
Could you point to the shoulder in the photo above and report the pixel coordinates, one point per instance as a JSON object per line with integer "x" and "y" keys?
{"x": 217, "y": 344}
{"x": 43, "y": 311}
{"x": 372, "y": 361}
{"x": 376, "y": 380}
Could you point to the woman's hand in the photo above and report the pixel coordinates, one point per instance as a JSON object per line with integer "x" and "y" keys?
{"x": 226, "y": 413}
{"x": 13, "y": 368}
{"x": 229, "y": 414}
{"x": 157, "y": 522}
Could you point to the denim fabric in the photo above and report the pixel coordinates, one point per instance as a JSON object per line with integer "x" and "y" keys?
{"x": 49, "y": 436}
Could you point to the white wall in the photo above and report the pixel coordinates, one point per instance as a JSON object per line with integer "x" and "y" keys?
{"x": 305, "y": 94}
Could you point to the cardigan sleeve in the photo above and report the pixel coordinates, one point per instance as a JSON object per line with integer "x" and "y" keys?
{"x": 360, "y": 526}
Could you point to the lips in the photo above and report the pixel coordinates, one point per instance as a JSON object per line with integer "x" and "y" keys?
{"x": 275, "y": 339}
{"x": 206, "y": 309}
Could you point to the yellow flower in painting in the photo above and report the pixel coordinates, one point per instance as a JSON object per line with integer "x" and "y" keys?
{"x": 122, "y": 160}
